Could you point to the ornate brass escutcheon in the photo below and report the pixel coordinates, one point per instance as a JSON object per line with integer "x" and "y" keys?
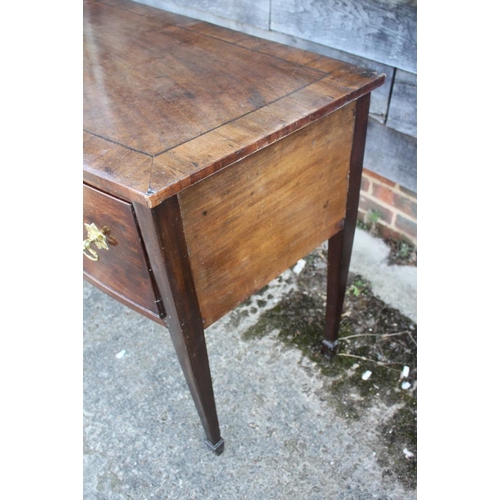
{"x": 97, "y": 237}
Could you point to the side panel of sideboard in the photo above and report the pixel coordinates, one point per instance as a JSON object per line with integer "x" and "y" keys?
{"x": 248, "y": 223}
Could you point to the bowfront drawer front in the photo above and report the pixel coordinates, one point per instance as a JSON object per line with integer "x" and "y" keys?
{"x": 121, "y": 269}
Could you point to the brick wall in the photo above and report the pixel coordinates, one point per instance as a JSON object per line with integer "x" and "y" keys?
{"x": 389, "y": 206}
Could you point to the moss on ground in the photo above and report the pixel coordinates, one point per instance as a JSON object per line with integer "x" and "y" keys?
{"x": 369, "y": 329}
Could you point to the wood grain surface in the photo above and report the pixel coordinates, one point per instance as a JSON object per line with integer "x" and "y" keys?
{"x": 249, "y": 12}
{"x": 168, "y": 100}
{"x": 247, "y": 224}
{"x": 154, "y": 88}
{"x": 122, "y": 270}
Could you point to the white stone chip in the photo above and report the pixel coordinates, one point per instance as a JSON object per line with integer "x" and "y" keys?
{"x": 366, "y": 375}
{"x": 299, "y": 266}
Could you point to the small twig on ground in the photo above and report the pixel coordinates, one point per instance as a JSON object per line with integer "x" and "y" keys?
{"x": 376, "y": 335}
{"x": 380, "y": 363}
{"x": 411, "y": 336}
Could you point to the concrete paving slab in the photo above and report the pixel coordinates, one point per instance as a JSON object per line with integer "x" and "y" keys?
{"x": 395, "y": 285}
{"x": 143, "y": 439}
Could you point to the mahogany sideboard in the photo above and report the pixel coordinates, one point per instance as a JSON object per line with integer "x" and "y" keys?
{"x": 212, "y": 162}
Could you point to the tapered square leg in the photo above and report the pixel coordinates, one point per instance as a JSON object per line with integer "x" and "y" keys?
{"x": 340, "y": 245}
{"x": 166, "y": 247}
{"x": 335, "y": 292}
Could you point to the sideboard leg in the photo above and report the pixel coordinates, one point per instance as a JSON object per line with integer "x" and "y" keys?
{"x": 335, "y": 291}
{"x": 340, "y": 245}
{"x": 163, "y": 235}
{"x": 190, "y": 346}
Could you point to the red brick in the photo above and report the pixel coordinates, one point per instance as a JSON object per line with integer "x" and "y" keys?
{"x": 406, "y": 225}
{"x": 381, "y": 179}
{"x": 408, "y": 192}
{"x": 388, "y": 233}
{"x": 383, "y": 193}
{"x": 406, "y": 205}
{"x": 367, "y": 204}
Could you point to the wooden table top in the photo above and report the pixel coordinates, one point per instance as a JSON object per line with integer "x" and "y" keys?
{"x": 169, "y": 100}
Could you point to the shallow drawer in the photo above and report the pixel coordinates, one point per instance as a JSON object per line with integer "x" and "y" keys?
{"x": 121, "y": 270}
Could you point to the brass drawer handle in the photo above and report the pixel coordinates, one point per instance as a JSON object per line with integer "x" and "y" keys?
{"x": 94, "y": 236}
